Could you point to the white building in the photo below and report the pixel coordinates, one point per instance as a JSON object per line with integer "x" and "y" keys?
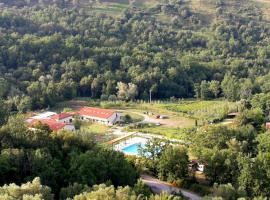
{"x": 104, "y": 116}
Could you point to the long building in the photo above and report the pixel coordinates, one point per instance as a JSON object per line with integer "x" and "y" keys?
{"x": 104, "y": 116}
{"x": 64, "y": 121}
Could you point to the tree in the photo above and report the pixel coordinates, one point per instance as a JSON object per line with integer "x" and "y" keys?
{"x": 230, "y": 87}
{"x": 224, "y": 191}
{"x": 221, "y": 165}
{"x": 96, "y": 87}
{"x": 85, "y": 85}
{"x": 101, "y": 192}
{"x": 253, "y": 116}
{"x": 214, "y": 88}
{"x": 132, "y": 91}
{"x": 197, "y": 90}
{"x": 246, "y": 89}
{"x": 3, "y": 112}
{"x": 29, "y": 190}
{"x": 73, "y": 190}
{"x": 205, "y": 90}
{"x": 3, "y": 87}
{"x": 151, "y": 153}
{"x": 122, "y": 90}
{"x": 25, "y": 104}
{"x": 264, "y": 142}
{"x": 173, "y": 164}
{"x": 90, "y": 168}
{"x": 126, "y": 92}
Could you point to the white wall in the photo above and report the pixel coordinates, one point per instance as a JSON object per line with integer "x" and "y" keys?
{"x": 114, "y": 118}
{"x": 110, "y": 121}
{"x": 66, "y": 120}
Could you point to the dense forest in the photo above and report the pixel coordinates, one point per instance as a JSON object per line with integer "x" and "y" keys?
{"x": 57, "y": 50}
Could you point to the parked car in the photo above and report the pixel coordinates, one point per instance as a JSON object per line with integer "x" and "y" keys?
{"x": 163, "y": 117}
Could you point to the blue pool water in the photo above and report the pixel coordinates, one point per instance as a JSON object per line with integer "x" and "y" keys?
{"x": 132, "y": 149}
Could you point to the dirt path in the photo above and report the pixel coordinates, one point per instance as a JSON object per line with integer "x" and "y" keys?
{"x": 158, "y": 186}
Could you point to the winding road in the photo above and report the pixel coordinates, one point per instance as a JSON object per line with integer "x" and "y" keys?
{"x": 158, "y": 186}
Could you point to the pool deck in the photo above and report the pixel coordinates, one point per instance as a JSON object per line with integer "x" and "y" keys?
{"x": 117, "y": 140}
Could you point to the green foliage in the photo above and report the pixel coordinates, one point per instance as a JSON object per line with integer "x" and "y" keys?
{"x": 4, "y": 112}
{"x": 226, "y": 191}
{"x": 209, "y": 111}
{"x": 77, "y": 124}
{"x": 253, "y": 116}
{"x": 101, "y": 192}
{"x": 127, "y": 118}
{"x": 30, "y": 190}
{"x": 173, "y": 164}
{"x": 58, "y": 159}
{"x": 73, "y": 190}
{"x": 220, "y": 166}
{"x": 151, "y": 153}
{"x": 141, "y": 189}
{"x": 58, "y": 50}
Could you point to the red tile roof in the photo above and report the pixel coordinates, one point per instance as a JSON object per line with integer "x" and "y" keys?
{"x": 267, "y": 125}
{"x": 96, "y": 112}
{"x": 54, "y": 125}
{"x": 62, "y": 116}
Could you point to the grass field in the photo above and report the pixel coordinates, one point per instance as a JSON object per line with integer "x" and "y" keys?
{"x": 169, "y": 132}
{"x": 99, "y": 132}
{"x": 95, "y": 128}
{"x": 181, "y": 115}
{"x": 135, "y": 117}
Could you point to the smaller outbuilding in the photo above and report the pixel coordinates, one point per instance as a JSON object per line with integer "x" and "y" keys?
{"x": 267, "y": 125}
{"x": 197, "y": 165}
{"x": 54, "y": 125}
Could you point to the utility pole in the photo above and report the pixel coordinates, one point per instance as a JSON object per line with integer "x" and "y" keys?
{"x": 150, "y": 95}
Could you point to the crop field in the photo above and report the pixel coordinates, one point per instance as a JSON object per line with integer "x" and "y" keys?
{"x": 203, "y": 110}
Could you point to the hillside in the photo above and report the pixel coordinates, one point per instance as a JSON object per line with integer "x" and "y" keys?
{"x": 57, "y": 50}
{"x": 191, "y": 78}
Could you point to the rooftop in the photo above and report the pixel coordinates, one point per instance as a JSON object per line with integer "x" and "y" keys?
{"x": 44, "y": 115}
{"x": 96, "y": 112}
{"x": 61, "y": 116}
{"x": 54, "y": 125}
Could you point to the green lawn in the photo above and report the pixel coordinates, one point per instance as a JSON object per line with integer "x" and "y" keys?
{"x": 95, "y": 128}
{"x": 135, "y": 117}
{"x": 99, "y": 132}
{"x": 169, "y": 132}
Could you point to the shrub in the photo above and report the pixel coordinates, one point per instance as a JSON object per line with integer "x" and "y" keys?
{"x": 201, "y": 189}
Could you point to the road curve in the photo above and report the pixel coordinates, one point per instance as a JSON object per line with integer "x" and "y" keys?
{"x": 158, "y": 186}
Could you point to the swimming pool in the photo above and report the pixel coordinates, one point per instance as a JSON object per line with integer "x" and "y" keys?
{"x": 132, "y": 149}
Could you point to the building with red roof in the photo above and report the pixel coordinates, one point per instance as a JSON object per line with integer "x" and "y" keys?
{"x": 63, "y": 117}
{"x": 62, "y": 121}
{"x": 100, "y": 115}
{"x": 54, "y": 125}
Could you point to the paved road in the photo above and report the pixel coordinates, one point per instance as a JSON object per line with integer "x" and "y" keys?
{"x": 158, "y": 186}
